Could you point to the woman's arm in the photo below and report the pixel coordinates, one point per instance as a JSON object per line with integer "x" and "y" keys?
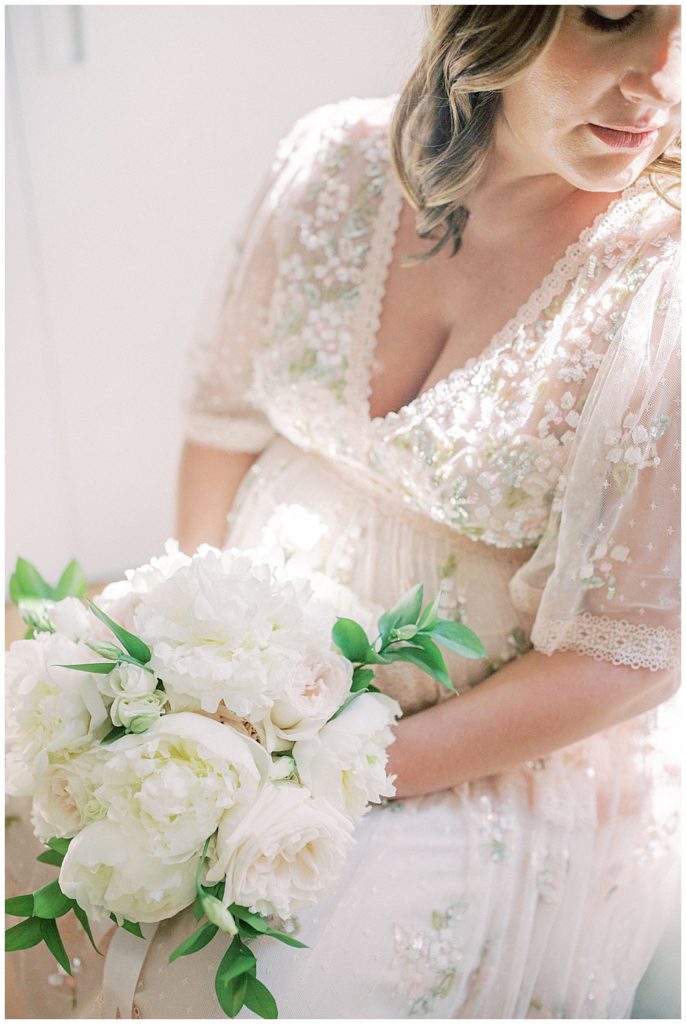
{"x": 207, "y": 484}
{"x": 530, "y": 707}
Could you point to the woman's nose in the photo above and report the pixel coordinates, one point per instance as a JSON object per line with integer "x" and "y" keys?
{"x": 656, "y": 76}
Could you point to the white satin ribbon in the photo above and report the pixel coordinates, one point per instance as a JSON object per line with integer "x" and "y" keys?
{"x": 123, "y": 965}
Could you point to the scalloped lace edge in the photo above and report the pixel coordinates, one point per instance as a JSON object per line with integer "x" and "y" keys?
{"x": 370, "y": 301}
{"x": 614, "y": 640}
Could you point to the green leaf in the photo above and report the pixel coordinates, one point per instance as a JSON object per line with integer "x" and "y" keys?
{"x": 198, "y": 912}
{"x": 261, "y": 926}
{"x": 458, "y": 638}
{"x": 114, "y": 734}
{"x": 19, "y": 906}
{"x": 425, "y": 660}
{"x": 130, "y": 926}
{"x": 362, "y": 677}
{"x": 133, "y": 644}
{"x": 102, "y": 668}
{"x": 51, "y": 857}
{"x": 231, "y": 978}
{"x": 58, "y": 844}
{"x": 26, "y": 581}
{"x": 404, "y": 613}
{"x": 85, "y": 924}
{"x": 72, "y": 582}
{"x": 50, "y": 902}
{"x": 24, "y": 935}
{"x": 196, "y": 941}
{"x": 53, "y": 940}
{"x": 259, "y": 999}
{"x": 429, "y": 617}
{"x": 351, "y": 640}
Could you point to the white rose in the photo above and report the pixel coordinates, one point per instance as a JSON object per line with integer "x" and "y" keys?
{"x": 281, "y": 856}
{"x": 316, "y": 687}
{"x": 138, "y": 711}
{"x": 64, "y": 800}
{"x": 51, "y": 711}
{"x": 224, "y": 629}
{"x": 126, "y": 681}
{"x": 171, "y": 785}
{"x": 121, "y": 599}
{"x": 109, "y": 872}
{"x": 346, "y": 761}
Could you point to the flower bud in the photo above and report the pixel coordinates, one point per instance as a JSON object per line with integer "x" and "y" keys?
{"x": 218, "y": 914}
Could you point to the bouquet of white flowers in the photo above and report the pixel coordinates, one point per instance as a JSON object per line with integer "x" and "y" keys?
{"x": 194, "y": 736}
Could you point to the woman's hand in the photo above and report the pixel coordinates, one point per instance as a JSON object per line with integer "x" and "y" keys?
{"x": 207, "y": 484}
{"x": 530, "y": 707}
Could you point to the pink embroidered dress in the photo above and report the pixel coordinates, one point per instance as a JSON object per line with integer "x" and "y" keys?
{"x": 537, "y": 488}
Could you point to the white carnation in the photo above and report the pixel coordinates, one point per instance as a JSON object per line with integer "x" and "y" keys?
{"x": 51, "y": 711}
{"x": 108, "y": 872}
{"x": 170, "y": 786}
{"x": 346, "y": 761}
{"x": 225, "y": 629}
{"x": 288, "y": 850}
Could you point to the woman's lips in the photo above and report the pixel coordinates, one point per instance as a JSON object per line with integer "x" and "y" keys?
{"x": 619, "y": 138}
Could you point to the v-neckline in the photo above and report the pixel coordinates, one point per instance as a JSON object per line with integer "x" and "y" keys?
{"x": 564, "y": 268}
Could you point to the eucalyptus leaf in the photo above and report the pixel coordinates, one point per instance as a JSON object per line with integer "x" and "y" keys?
{"x": 50, "y": 902}
{"x": 259, "y": 999}
{"x": 198, "y": 940}
{"x": 72, "y": 582}
{"x": 19, "y": 906}
{"x": 23, "y": 935}
{"x": 133, "y": 644}
{"x": 351, "y": 640}
{"x": 456, "y": 637}
{"x": 53, "y": 940}
{"x": 405, "y": 612}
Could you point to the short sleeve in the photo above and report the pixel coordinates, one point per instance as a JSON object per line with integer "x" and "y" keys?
{"x": 604, "y": 580}
{"x": 221, "y": 410}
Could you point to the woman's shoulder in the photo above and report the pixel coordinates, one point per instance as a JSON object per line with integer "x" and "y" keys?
{"x": 335, "y": 140}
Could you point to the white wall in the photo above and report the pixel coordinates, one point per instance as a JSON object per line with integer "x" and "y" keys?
{"x": 135, "y": 138}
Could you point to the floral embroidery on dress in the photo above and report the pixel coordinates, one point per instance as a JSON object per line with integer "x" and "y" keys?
{"x": 428, "y": 961}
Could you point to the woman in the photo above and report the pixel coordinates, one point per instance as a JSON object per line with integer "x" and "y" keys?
{"x": 527, "y": 867}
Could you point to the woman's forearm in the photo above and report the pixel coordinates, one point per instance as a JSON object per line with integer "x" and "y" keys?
{"x": 207, "y": 484}
{"x": 530, "y": 707}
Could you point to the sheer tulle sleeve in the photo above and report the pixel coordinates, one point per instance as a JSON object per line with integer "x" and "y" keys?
{"x": 604, "y": 579}
{"x": 221, "y": 410}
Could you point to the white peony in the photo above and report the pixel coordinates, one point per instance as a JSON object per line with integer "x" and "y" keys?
{"x": 315, "y": 688}
{"x": 346, "y": 761}
{"x": 225, "y": 629}
{"x": 120, "y": 599}
{"x": 64, "y": 799}
{"x": 281, "y": 856}
{"x": 51, "y": 711}
{"x": 71, "y": 618}
{"x": 170, "y": 786}
{"x": 108, "y": 871}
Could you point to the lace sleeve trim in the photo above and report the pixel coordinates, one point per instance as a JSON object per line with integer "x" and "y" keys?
{"x": 613, "y": 640}
{"x": 247, "y": 432}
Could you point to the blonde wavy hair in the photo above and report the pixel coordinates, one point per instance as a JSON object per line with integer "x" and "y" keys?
{"x": 443, "y": 123}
